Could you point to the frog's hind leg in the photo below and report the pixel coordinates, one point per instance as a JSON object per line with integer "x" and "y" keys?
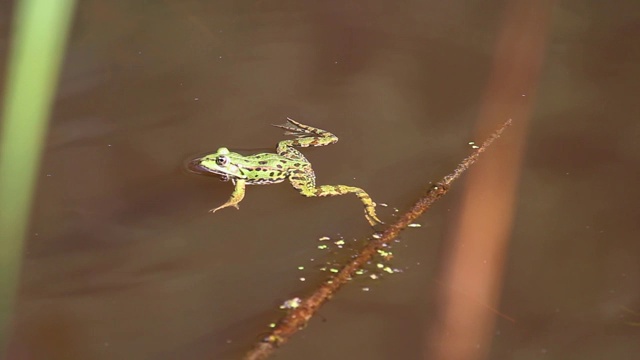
{"x": 334, "y": 190}
{"x": 307, "y": 187}
{"x": 305, "y": 136}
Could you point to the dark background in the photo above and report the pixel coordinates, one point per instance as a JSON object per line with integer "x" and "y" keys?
{"x": 125, "y": 262}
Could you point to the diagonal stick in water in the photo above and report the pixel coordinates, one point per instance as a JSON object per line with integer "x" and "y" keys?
{"x": 296, "y": 319}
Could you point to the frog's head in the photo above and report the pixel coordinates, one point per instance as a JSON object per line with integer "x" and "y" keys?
{"x": 219, "y": 163}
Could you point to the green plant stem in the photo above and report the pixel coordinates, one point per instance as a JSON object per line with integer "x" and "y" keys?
{"x": 37, "y": 46}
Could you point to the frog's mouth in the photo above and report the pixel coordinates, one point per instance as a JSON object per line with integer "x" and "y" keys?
{"x": 195, "y": 166}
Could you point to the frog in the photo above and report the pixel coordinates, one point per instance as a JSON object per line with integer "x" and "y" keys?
{"x": 287, "y": 163}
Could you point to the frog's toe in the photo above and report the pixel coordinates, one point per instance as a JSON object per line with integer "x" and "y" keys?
{"x": 224, "y": 206}
{"x": 373, "y": 220}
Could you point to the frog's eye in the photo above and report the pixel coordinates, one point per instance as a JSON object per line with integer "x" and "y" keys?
{"x": 222, "y": 160}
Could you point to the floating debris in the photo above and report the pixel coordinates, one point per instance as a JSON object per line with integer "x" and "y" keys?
{"x": 387, "y": 255}
{"x": 291, "y": 303}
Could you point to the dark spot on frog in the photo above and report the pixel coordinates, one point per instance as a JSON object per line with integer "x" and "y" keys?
{"x": 271, "y": 174}
{"x": 262, "y": 162}
{"x": 279, "y": 166}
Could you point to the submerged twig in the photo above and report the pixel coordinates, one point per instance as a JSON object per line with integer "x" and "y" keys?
{"x": 298, "y": 318}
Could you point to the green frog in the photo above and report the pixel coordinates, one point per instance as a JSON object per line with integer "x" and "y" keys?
{"x": 286, "y": 163}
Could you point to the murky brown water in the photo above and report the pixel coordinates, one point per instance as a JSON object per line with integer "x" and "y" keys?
{"x": 125, "y": 262}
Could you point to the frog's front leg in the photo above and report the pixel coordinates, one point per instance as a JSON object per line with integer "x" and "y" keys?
{"x": 236, "y": 196}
